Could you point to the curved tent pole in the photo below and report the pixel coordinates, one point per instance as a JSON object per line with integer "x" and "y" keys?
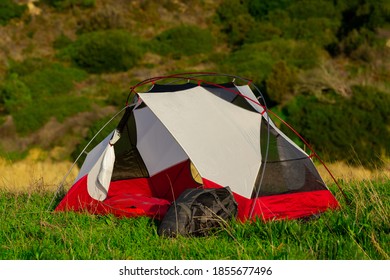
{"x": 60, "y": 187}
{"x": 188, "y": 76}
{"x": 197, "y": 74}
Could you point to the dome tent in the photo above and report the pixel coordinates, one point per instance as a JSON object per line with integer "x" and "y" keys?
{"x": 188, "y": 131}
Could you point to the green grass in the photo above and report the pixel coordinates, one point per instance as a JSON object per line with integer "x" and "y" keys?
{"x": 357, "y": 231}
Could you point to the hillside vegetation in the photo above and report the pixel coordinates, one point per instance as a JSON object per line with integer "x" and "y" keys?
{"x": 323, "y": 66}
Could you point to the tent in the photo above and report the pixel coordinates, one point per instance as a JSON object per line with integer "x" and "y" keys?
{"x": 186, "y": 131}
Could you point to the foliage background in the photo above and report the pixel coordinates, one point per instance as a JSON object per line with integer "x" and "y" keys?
{"x": 323, "y": 65}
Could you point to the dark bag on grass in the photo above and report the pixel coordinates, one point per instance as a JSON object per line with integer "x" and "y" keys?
{"x": 197, "y": 211}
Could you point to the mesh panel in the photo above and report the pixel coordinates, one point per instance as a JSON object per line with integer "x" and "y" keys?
{"x": 227, "y": 91}
{"x": 171, "y": 87}
{"x": 242, "y": 102}
{"x": 230, "y": 93}
{"x": 287, "y": 169}
{"x": 128, "y": 162}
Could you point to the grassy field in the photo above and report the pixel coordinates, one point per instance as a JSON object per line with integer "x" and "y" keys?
{"x": 69, "y": 64}
{"x": 360, "y": 230}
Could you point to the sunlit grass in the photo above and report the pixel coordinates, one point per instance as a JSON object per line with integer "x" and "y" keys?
{"x": 350, "y": 173}
{"x": 36, "y": 170}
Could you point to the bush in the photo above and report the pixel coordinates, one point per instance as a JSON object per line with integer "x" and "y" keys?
{"x": 9, "y": 10}
{"x": 262, "y": 31}
{"x": 65, "y": 4}
{"x": 308, "y": 30}
{"x": 255, "y": 61}
{"x": 251, "y": 61}
{"x": 367, "y": 14}
{"x": 42, "y": 109}
{"x": 348, "y": 129}
{"x": 305, "y": 9}
{"x": 27, "y": 66}
{"x": 280, "y": 82}
{"x": 257, "y": 21}
{"x": 184, "y": 40}
{"x": 235, "y": 21}
{"x": 53, "y": 80}
{"x": 316, "y": 22}
{"x": 260, "y": 9}
{"x": 14, "y": 94}
{"x": 356, "y": 40}
{"x": 360, "y": 21}
{"x": 35, "y": 90}
{"x": 105, "y": 51}
{"x": 62, "y": 41}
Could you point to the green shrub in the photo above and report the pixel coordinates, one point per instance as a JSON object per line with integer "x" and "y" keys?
{"x": 299, "y": 54}
{"x": 62, "y": 41}
{"x": 367, "y": 14}
{"x": 262, "y": 31}
{"x": 53, "y": 80}
{"x": 14, "y": 94}
{"x": 356, "y": 40}
{"x": 256, "y": 60}
{"x": 34, "y": 116}
{"x": 345, "y": 128}
{"x": 280, "y": 82}
{"x": 9, "y": 10}
{"x": 308, "y": 30}
{"x": 260, "y": 9}
{"x": 27, "y": 66}
{"x": 360, "y": 21}
{"x": 305, "y": 9}
{"x": 257, "y": 21}
{"x": 65, "y": 4}
{"x": 105, "y": 51}
{"x": 37, "y": 78}
{"x": 36, "y": 90}
{"x": 314, "y": 21}
{"x": 229, "y": 9}
{"x": 184, "y": 40}
{"x": 250, "y": 61}
{"x": 235, "y": 21}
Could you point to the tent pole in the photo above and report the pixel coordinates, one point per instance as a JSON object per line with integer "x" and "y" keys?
{"x": 314, "y": 154}
{"x": 266, "y": 151}
{"x": 60, "y": 187}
